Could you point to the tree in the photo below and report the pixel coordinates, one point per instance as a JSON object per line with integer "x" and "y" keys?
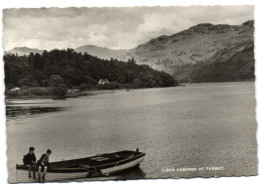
{"x": 59, "y": 88}
{"x": 131, "y": 61}
{"x": 137, "y": 82}
{"x": 55, "y": 81}
{"x": 84, "y": 86}
{"x": 67, "y": 68}
{"x": 28, "y": 81}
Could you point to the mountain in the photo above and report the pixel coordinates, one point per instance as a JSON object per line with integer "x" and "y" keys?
{"x": 24, "y": 51}
{"x": 101, "y": 52}
{"x": 202, "y": 53}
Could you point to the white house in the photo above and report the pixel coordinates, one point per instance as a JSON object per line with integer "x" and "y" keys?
{"x": 103, "y": 81}
{"x": 15, "y": 89}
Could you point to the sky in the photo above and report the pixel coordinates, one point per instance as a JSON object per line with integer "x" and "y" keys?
{"x": 114, "y": 28}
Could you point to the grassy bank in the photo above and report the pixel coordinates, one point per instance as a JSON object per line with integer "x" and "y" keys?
{"x": 43, "y": 93}
{"x": 50, "y": 92}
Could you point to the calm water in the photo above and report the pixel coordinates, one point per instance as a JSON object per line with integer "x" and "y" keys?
{"x": 199, "y": 125}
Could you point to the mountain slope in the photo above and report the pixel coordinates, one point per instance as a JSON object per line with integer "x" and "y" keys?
{"x": 204, "y": 52}
{"x": 24, "y": 51}
{"x": 101, "y": 52}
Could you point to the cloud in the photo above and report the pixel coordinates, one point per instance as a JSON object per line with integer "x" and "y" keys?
{"x": 156, "y": 24}
{"x": 117, "y": 28}
{"x": 97, "y": 34}
{"x": 179, "y": 18}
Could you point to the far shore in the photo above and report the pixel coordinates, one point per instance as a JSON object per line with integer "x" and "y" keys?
{"x": 74, "y": 94}
{"x": 68, "y": 95}
{"x": 96, "y": 91}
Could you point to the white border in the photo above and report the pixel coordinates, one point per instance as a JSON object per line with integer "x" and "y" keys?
{"x": 119, "y": 3}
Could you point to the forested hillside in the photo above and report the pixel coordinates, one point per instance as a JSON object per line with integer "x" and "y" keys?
{"x": 77, "y": 69}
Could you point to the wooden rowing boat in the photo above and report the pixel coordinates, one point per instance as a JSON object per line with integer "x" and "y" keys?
{"x": 89, "y": 167}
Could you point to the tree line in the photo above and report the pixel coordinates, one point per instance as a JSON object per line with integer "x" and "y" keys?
{"x": 79, "y": 70}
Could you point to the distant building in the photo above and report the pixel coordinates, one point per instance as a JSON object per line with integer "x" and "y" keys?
{"x": 15, "y": 89}
{"x": 72, "y": 90}
{"x": 103, "y": 81}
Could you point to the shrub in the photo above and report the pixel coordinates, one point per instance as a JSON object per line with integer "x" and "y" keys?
{"x": 84, "y": 86}
{"x": 59, "y": 92}
{"x": 28, "y": 81}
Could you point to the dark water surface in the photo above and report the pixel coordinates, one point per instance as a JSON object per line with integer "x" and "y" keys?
{"x": 13, "y": 112}
{"x": 199, "y": 125}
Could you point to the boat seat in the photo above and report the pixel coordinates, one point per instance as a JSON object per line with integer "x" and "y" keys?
{"x": 100, "y": 158}
{"x": 84, "y": 165}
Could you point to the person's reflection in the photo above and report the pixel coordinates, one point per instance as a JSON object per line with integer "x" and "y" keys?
{"x": 132, "y": 173}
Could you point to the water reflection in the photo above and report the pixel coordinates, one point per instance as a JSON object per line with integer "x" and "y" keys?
{"x": 13, "y": 112}
{"x": 133, "y": 173}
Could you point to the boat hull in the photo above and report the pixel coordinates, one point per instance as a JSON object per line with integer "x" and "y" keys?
{"x": 52, "y": 176}
{"x": 122, "y": 167}
{"x": 22, "y": 176}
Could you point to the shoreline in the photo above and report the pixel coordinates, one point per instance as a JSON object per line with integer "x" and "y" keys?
{"x": 93, "y": 92}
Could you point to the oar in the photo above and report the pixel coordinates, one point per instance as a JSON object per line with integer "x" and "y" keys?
{"x": 91, "y": 170}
